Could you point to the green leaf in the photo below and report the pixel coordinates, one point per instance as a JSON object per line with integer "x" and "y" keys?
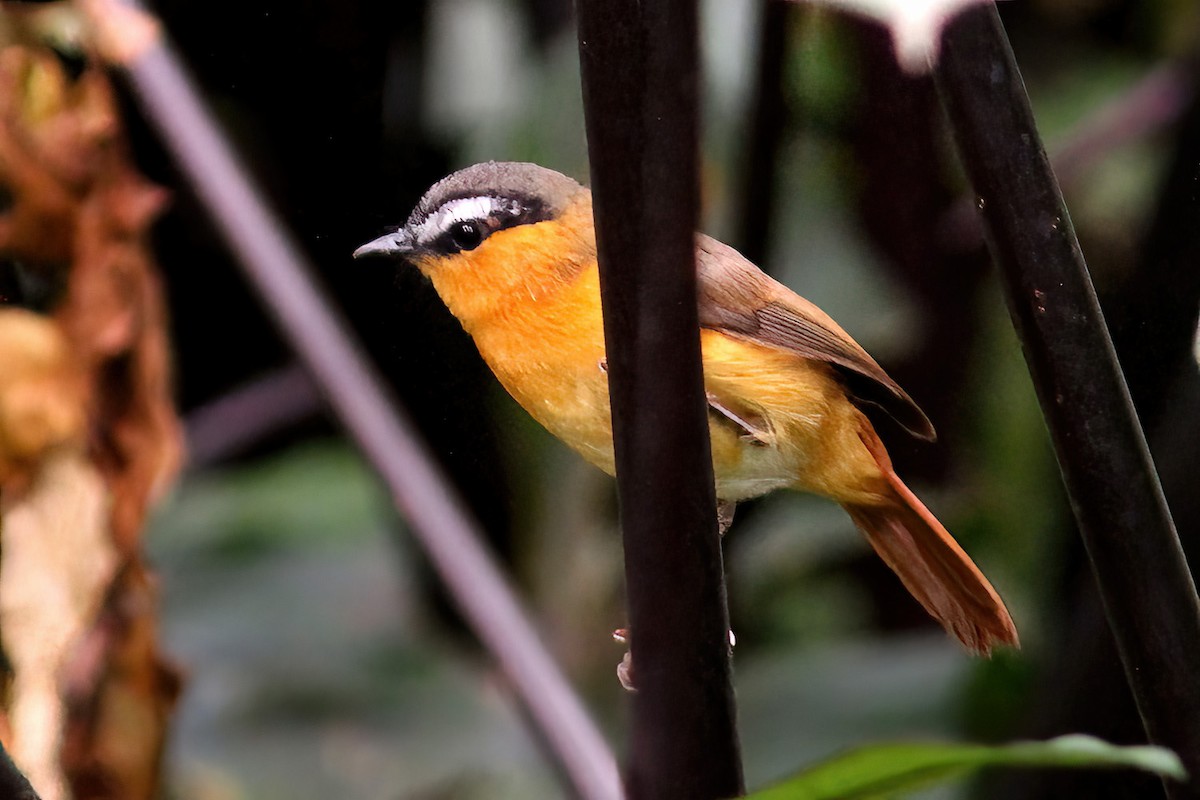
{"x": 880, "y": 770}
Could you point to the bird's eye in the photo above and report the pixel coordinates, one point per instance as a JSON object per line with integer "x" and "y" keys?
{"x": 466, "y": 235}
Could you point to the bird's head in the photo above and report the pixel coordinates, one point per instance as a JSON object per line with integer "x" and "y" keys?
{"x": 494, "y": 229}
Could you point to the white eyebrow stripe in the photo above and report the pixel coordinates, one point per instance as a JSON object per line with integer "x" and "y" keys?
{"x": 460, "y": 210}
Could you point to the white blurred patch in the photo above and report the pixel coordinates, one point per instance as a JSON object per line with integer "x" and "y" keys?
{"x": 476, "y": 68}
{"x": 727, "y": 38}
{"x": 915, "y": 25}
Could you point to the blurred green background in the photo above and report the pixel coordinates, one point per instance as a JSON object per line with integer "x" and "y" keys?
{"x": 323, "y": 662}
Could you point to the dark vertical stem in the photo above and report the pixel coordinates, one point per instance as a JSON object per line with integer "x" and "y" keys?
{"x": 639, "y": 70}
{"x": 1149, "y": 596}
{"x": 1152, "y": 312}
{"x": 898, "y": 140}
{"x": 276, "y": 269}
{"x": 768, "y": 119}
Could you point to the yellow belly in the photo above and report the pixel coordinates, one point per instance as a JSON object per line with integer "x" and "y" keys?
{"x": 548, "y": 356}
{"x": 813, "y": 443}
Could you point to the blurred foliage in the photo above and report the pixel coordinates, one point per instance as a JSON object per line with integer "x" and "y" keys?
{"x": 313, "y": 670}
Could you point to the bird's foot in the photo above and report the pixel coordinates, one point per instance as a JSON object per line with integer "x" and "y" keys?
{"x": 625, "y": 668}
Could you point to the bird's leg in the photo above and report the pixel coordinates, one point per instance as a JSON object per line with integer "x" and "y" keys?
{"x": 725, "y": 509}
{"x": 625, "y": 668}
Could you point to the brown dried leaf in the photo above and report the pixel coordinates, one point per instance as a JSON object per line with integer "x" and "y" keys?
{"x": 41, "y": 398}
{"x": 57, "y": 24}
{"x": 39, "y": 226}
{"x": 80, "y": 206}
{"x": 119, "y": 695}
{"x": 78, "y": 200}
{"x": 114, "y": 317}
{"x": 58, "y": 563}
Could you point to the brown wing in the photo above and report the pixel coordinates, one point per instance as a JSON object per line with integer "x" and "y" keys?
{"x": 739, "y": 299}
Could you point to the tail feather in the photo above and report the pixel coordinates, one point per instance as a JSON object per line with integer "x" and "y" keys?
{"x": 931, "y": 565}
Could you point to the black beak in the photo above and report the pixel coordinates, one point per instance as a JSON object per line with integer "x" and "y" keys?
{"x": 392, "y": 245}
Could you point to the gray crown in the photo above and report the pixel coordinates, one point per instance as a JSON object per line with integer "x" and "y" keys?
{"x": 532, "y": 185}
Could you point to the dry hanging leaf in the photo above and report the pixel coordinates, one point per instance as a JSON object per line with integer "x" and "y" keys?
{"x": 63, "y": 516}
{"x": 41, "y": 398}
{"x": 79, "y": 221}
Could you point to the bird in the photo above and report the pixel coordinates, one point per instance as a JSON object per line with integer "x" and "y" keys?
{"x": 510, "y": 249}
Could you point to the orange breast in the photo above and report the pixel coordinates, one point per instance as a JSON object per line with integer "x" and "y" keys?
{"x": 547, "y": 352}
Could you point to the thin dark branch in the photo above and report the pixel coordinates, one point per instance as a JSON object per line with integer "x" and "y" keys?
{"x": 275, "y": 267}
{"x": 899, "y": 146}
{"x": 768, "y": 120}
{"x": 1149, "y": 596}
{"x": 639, "y": 69}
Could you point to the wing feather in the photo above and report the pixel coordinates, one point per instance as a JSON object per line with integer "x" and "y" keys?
{"x": 740, "y": 300}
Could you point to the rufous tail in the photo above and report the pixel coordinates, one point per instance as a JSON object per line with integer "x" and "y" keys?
{"x": 930, "y": 563}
